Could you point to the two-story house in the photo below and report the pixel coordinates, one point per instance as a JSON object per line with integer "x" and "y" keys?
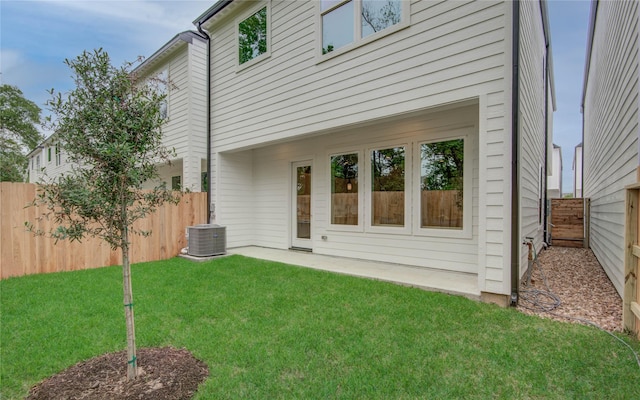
{"x": 180, "y": 69}
{"x": 611, "y": 133}
{"x": 410, "y": 132}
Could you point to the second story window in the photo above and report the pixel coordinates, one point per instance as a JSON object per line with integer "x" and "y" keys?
{"x": 163, "y": 88}
{"x": 253, "y": 36}
{"x": 348, "y": 21}
{"x": 57, "y": 154}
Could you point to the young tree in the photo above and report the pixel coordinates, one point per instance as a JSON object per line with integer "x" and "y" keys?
{"x": 18, "y": 133}
{"x": 110, "y": 129}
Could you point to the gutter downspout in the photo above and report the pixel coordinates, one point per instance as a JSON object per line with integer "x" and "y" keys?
{"x": 206, "y": 36}
{"x": 545, "y": 207}
{"x": 515, "y": 156}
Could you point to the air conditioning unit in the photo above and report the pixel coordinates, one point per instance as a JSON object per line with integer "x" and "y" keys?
{"x": 207, "y": 240}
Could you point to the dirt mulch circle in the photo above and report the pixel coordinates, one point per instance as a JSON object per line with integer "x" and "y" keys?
{"x": 164, "y": 374}
{"x": 580, "y": 284}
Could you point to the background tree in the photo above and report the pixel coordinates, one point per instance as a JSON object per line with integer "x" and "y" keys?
{"x": 110, "y": 129}
{"x": 18, "y": 133}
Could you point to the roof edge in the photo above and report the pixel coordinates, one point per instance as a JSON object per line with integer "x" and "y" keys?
{"x": 587, "y": 62}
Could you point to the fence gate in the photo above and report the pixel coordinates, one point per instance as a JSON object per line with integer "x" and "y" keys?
{"x": 569, "y": 222}
{"x": 631, "y": 294}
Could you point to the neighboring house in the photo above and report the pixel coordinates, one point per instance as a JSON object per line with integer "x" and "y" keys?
{"x": 47, "y": 160}
{"x": 410, "y": 132}
{"x": 577, "y": 171}
{"x": 611, "y": 127}
{"x": 181, "y": 63}
{"x": 554, "y": 185}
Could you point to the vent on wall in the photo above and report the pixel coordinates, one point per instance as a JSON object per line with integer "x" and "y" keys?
{"x": 207, "y": 240}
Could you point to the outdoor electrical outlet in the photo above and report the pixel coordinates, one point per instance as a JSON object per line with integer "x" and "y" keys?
{"x": 324, "y": 237}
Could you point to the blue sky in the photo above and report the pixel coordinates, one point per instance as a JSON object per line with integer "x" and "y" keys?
{"x": 36, "y": 37}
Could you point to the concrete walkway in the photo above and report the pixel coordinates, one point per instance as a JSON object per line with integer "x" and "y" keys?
{"x": 428, "y": 279}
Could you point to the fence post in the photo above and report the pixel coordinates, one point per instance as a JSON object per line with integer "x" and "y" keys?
{"x": 630, "y": 308}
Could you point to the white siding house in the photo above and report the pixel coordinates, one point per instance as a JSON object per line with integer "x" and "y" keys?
{"x": 47, "y": 160}
{"x": 182, "y": 63}
{"x": 420, "y": 139}
{"x": 577, "y": 171}
{"x": 611, "y": 129}
{"x": 554, "y": 186}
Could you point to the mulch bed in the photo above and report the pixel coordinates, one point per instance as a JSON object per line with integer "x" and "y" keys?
{"x": 164, "y": 374}
{"x": 583, "y": 289}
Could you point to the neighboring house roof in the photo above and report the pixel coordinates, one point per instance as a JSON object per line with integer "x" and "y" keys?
{"x": 168, "y": 49}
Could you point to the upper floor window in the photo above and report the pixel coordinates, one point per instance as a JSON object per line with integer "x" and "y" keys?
{"x": 253, "y": 38}
{"x": 57, "y": 154}
{"x": 49, "y": 154}
{"x": 349, "y": 21}
{"x": 163, "y": 89}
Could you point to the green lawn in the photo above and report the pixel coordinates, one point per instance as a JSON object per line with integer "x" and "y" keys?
{"x": 267, "y": 330}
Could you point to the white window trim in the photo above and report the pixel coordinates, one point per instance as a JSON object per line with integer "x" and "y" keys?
{"x": 242, "y": 17}
{"x": 467, "y": 202}
{"x": 408, "y": 185}
{"x": 357, "y": 40}
{"x": 361, "y": 186}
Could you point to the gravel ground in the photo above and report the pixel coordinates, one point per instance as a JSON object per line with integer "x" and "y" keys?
{"x": 581, "y": 287}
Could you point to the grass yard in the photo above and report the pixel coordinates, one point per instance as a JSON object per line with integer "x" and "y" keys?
{"x": 268, "y": 330}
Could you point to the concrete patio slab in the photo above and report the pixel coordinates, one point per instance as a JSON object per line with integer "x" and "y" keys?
{"x": 457, "y": 283}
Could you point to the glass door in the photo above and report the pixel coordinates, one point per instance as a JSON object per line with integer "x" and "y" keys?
{"x": 301, "y": 205}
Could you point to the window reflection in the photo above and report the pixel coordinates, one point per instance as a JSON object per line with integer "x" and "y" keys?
{"x": 441, "y": 183}
{"x": 252, "y": 36}
{"x": 337, "y": 28}
{"x": 344, "y": 189}
{"x": 378, "y": 15}
{"x": 388, "y": 187}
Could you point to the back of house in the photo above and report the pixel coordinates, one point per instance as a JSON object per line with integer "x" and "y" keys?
{"x": 409, "y": 132}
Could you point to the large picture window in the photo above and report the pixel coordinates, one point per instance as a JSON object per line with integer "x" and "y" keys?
{"x": 252, "y": 36}
{"x": 388, "y": 187}
{"x": 348, "y": 21}
{"x": 442, "y": 184}
{"x": 344, "y": 189}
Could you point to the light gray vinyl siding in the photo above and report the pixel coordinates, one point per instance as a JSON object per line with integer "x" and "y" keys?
{"x": 532, "y": 126}
{"x": 292, "y": 103}
{"x": 611, "y": 130}
{"x": 259, "y": 210}
{"x": 449, "y": 49}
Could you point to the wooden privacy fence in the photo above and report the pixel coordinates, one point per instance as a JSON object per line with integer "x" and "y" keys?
{"x": 630, "y": 292}
{"x": 569, "y": 225}
{"x": 439, "y": 208}
{"x": 22, "y": 253}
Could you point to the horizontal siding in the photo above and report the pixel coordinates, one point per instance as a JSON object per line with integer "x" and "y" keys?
{"x": 611, "y": 130}
{"x": 270, "y": 196}
{"x": 532, "y": 126}
{"x": 290, "y": 106}
{"x": 450, "y": 47}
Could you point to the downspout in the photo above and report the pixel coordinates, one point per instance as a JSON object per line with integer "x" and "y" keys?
{"x": 545, "y": 208}
{"x": 206, "y": 36}
{"x": 515, "y": 156}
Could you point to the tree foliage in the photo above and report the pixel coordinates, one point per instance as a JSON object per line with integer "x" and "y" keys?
{"x": 110, "y": 129}
{"x": 443, "y": 165}
{"x": 18, "y": 133}
{"x": 253, "y": 36}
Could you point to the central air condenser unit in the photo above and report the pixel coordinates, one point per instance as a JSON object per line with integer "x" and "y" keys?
{"x": 207, "y": 240}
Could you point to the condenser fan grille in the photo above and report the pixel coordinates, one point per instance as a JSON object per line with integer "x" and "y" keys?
{"x": 207, "y": 240}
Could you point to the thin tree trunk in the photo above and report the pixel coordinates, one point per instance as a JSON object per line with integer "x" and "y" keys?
{"x": 132, "y": 364}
